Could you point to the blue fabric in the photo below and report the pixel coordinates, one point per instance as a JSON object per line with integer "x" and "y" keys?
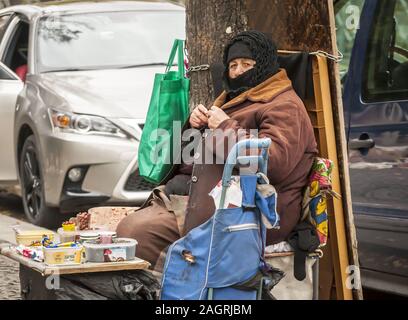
{"x": 248, "y": 187}
{"x": 227, "y": 250}
{"x": 267, "y": 207}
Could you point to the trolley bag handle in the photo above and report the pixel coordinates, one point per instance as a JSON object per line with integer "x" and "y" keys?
{"x": 234, "y": 158}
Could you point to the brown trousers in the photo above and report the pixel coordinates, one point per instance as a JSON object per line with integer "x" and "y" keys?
{"x": 156, "y": 225}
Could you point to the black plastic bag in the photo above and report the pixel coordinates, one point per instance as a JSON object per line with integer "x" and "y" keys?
{"x": 123, "y": 285}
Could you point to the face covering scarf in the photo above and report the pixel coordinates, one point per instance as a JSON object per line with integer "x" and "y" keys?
{"x": 240, "y": 84}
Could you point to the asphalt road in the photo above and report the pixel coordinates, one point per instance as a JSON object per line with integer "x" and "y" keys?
{"x": 9, "y": 280}
{"x": 11, "y": 205}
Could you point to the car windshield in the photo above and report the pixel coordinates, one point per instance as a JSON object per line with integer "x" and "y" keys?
{"x": 107, "y": 39}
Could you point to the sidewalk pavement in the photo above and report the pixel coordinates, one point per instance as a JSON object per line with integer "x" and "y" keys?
{"x": 9, "y": 269}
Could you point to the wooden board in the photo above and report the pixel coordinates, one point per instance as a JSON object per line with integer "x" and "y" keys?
{"x": 337, "y": 227}
{"x": 10, "y": 252}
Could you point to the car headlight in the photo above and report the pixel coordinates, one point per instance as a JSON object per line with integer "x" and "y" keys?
{"x": 84, "y": 124}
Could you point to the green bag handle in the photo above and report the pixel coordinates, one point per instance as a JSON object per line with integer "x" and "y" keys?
{"x": 177, "y": 46}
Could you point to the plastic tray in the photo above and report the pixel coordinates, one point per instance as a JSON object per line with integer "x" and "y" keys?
{"x": 63, "y": 255}
{"x": 72, "y": 236}
{"x": 124, "y": 249}
{"x": 32, "y": 237}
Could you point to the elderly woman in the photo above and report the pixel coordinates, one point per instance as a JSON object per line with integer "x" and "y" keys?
{"x": 258, "y": 95}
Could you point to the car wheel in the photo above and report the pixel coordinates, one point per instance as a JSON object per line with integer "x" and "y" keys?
{"x": 32, "y": 188}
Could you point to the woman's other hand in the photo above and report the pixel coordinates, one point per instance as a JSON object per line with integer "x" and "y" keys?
{"x": 199, "y": 116}
{"x": 215, "y": 117}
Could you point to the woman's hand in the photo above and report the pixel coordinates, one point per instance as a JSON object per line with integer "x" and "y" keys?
{"x": 215, "y": 117}
{"x": 199, "y": 116}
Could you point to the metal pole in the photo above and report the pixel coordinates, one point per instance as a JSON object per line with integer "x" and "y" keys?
{"x": 315, "y": 279}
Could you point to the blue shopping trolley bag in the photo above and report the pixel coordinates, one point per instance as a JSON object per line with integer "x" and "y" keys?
{"x": 214, "y": 259}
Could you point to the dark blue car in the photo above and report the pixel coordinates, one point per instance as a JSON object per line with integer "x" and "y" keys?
{"x": 373, "y": 36}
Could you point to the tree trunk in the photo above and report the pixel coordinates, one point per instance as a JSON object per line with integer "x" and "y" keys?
{"x": 297, "y": 25}
{"x": 210, "y": 24}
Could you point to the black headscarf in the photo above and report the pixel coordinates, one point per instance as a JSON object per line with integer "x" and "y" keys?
{"x": 256, "y": 46}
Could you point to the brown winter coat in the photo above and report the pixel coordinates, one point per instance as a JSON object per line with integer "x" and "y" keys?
{"x": 277, "y": 112}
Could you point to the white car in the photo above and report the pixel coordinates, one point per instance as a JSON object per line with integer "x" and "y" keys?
{"x": 75, "y": 85}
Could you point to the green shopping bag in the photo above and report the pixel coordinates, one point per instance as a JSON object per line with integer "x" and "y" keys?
{"x": 168, "y": 103}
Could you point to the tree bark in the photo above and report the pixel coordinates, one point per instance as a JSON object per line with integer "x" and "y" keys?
{"x": 295, "y": 25}
{"x": 210, "y": 24}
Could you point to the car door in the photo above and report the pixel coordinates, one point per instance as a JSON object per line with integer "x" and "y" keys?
{"x": 10, "y": 87}
{"x": 376, "y": 110}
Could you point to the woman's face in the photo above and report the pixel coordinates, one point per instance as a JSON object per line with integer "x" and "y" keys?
{"x": 238, "y": 66}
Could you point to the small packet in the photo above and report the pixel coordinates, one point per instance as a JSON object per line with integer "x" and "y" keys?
{"x": 33, "y": 253}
